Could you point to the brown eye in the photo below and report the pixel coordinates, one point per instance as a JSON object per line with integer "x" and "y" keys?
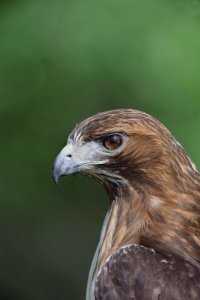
{"x": 112, "y": 141}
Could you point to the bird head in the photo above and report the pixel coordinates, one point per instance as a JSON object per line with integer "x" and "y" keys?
{"x": 124, "y": 147}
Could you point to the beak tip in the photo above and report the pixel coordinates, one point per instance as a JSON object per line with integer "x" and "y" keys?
{"x": 62, "y": 165}
{"x": 55, "y": 174}
{"x": 56, "y": 180}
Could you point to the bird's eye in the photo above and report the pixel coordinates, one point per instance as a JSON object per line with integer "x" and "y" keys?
{"x": 112, "y": 141}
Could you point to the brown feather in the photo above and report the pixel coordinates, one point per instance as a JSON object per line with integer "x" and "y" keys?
{"x": 155, "y": 166}
{"x": 160, "y": 205}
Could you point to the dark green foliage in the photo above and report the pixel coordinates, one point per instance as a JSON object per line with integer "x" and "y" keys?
{"x": 61, "y": 61}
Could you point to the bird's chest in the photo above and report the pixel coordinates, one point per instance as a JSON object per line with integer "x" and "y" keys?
{"x": 117, "y": 232}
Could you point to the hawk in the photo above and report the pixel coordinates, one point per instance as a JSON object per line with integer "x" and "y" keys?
{"x": 149, "y": 246}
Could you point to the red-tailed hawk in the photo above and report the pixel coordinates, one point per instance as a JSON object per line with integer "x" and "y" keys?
{"x": 150, "y": 241}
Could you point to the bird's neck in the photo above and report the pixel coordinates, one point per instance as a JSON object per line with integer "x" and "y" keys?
{"x": 153, "y": 220}
{"x": 127, "y": 219}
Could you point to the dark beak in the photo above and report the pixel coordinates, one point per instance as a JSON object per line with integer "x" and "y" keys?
{"x": 55, "y": 172}
{"x": 64, "y": 164}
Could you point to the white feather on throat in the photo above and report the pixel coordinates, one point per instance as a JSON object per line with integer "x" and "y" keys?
{"x": 93, "y": 269}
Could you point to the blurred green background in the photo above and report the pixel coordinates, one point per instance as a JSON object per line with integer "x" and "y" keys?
{"x": 60, "y": 62}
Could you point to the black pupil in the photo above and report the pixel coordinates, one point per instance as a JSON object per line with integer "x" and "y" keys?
{"x": 112, "y": 141}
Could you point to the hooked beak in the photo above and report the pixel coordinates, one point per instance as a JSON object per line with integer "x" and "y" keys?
{"x": 69, "y": 162}
{"x": 64, "y": 164}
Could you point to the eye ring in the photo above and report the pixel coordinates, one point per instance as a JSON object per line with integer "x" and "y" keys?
{"x": 112, "y": 141}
